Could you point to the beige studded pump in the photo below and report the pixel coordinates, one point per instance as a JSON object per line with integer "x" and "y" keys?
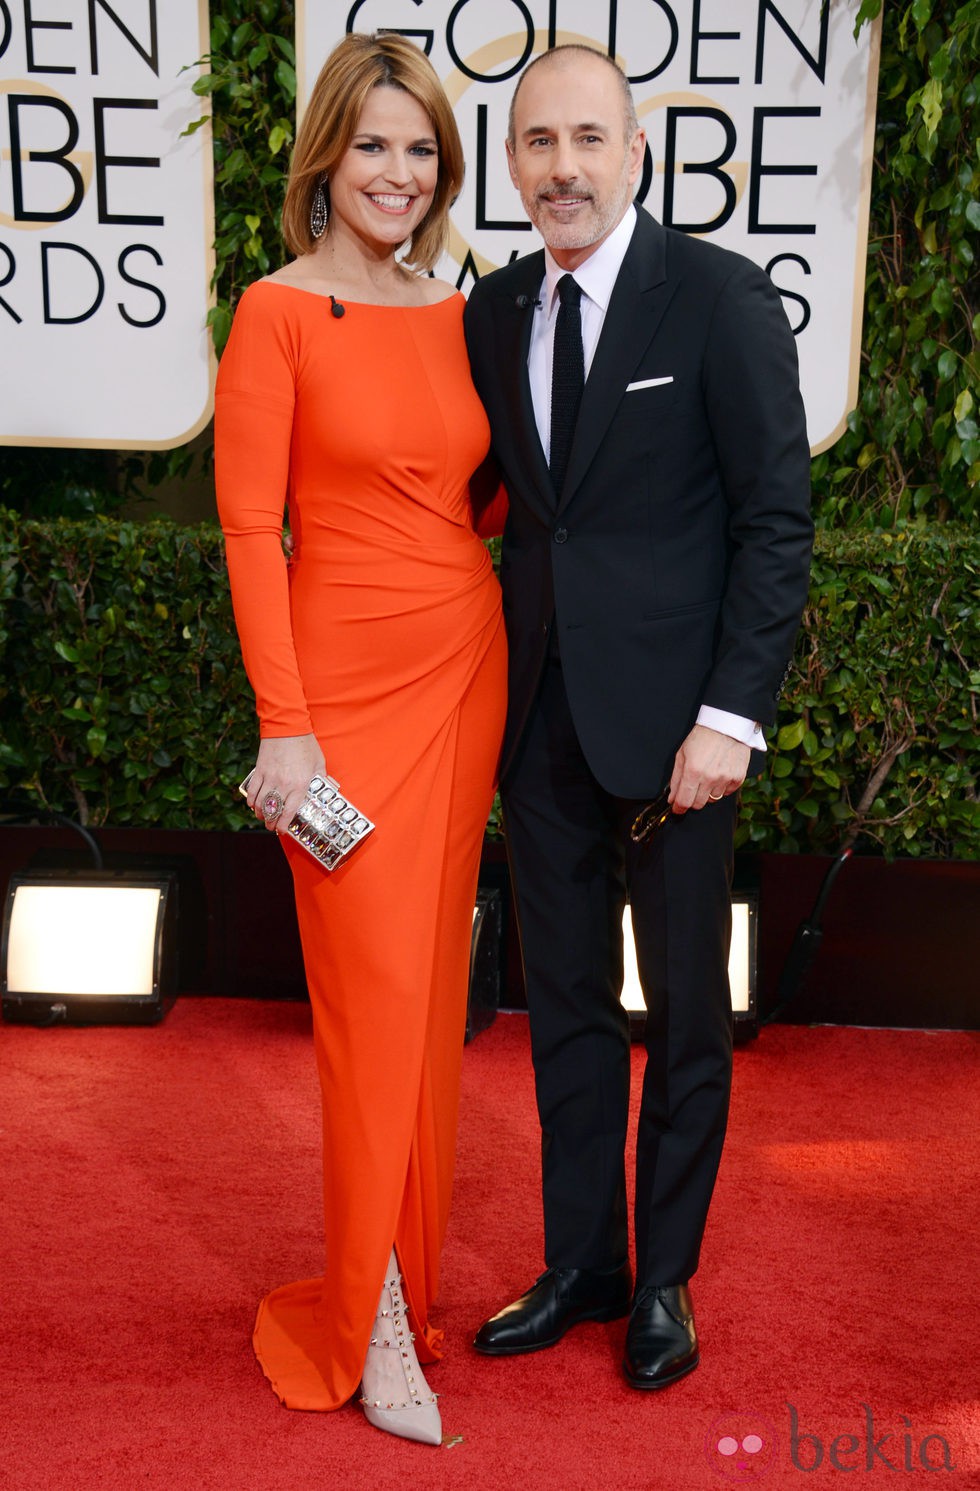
{"x": 395, "y": 1394}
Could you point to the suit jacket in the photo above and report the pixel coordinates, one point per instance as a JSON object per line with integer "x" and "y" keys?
{"x": 675, "y": 561}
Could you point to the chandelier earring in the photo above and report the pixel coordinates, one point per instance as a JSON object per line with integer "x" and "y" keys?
{"x": 319, "y": 210}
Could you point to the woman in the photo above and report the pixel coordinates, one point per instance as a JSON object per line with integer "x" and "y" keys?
{"x": 378, "y": 657}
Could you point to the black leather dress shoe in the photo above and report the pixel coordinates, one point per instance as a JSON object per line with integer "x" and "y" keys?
{"x": 561, "y": 1298}
{"x": 661, "y": 1342}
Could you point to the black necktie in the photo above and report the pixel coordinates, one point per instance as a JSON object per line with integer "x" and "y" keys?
{"x": 567, "y": 378}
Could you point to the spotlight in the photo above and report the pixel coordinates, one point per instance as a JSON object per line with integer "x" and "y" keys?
{"x": 741, "y": 969}
{"x": 88, "y": 947}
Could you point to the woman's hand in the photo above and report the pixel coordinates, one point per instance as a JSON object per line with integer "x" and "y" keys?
{"x": 284, "y": 767}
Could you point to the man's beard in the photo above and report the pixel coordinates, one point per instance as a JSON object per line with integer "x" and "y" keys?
{"x": 590, "y": 226}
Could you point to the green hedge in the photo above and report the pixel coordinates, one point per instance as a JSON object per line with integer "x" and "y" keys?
{"x": 912, "y": 446}
{"x": 122, "y": 698}
{"x": 878, "y": 725}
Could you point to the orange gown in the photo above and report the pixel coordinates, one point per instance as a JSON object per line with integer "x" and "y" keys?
{"x": 384, "y": 637}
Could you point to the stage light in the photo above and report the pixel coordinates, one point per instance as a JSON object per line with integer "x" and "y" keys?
{"x": 741, "y": 968}
{"x": 88, "y": 947}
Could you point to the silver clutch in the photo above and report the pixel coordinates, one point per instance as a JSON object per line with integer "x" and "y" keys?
{"x": 326, "y": 823}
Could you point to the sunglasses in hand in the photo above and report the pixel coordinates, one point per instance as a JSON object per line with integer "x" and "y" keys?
{"x": 651, "y": 819}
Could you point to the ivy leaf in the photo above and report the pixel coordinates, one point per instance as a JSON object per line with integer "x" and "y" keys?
{"x": 241, "y": 36}
{"x": 790, "y": 736}
{"x": 286, "y": 78}
{"x": 219, "y": 320}
{"x": 931, "y": 104}
{"x": 942, "y": 299}
{"x": 870, "y": 10}
{"x": 96, "y": 739}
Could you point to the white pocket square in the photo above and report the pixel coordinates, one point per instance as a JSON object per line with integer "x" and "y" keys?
{"x": 648, "y": 383}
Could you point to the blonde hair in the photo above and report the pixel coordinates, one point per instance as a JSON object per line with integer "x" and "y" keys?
{"x": 355, "y": 66}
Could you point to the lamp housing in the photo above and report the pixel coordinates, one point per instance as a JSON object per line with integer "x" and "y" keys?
{"x": 88, "y": 947}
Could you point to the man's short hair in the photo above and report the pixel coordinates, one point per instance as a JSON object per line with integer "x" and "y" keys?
{"x": 631, "y": 123}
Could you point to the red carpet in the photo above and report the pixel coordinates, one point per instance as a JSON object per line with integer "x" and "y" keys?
{"x": 156, "y": 1182}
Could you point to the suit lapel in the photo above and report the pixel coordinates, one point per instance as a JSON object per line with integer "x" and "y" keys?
{"x": 512, "y": 323}
{"x": 640, "y": 297}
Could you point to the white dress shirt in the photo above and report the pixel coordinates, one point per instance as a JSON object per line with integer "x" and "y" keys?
{"x": 596, "y": 278}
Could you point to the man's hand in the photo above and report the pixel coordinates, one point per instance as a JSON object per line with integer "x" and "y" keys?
{"x": 708, "y": 766}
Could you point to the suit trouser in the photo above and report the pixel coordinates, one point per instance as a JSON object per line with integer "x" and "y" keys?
{"x": 574, "y": 867}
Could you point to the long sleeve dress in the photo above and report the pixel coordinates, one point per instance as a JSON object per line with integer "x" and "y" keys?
{"x": 384, "y": 637}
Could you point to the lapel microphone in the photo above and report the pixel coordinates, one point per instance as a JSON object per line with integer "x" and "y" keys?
{"x": 523, "y": 301}
{"x": 336, "y": 309}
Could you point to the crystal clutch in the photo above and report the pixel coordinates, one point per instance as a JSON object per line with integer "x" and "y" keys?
{"x": 326, "y": 823}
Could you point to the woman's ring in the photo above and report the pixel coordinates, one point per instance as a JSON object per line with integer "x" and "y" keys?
{"x": 713, "y": 798}
{"x": 272, "y": 806}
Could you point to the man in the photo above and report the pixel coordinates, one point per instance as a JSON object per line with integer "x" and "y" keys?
{"x": 653, "y": 582}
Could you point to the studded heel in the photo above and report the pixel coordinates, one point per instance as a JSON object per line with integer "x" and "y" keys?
{"x": 395, "y": 1395}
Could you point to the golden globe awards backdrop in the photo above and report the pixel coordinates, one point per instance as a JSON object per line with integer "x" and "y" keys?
{"x": 106, "y": 224}
{"x": 759, "y": 118}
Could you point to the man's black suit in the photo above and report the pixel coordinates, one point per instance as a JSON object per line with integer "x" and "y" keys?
{"x": 670, "y": 572}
